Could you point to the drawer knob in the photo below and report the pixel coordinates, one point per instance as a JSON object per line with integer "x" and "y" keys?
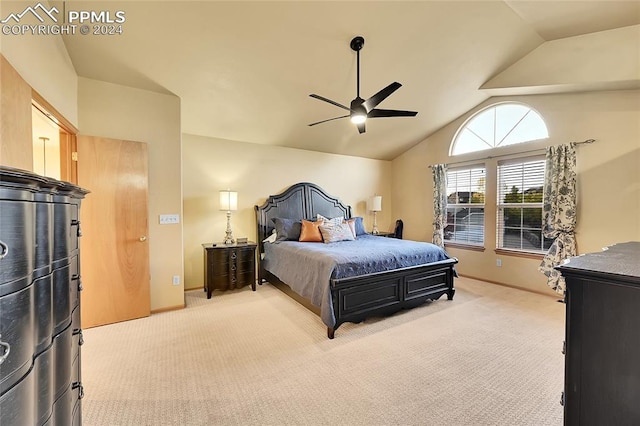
{"x": 233, "y": 255}
{"x": 5, "y": 249}
{"x": 7, "y": 349}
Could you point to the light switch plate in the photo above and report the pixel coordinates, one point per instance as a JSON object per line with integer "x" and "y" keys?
{"x": 166, "y": 219}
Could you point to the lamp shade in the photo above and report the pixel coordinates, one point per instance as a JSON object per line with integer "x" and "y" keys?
{"x": 228, "y": 200}
{"x": 374, "y": 203}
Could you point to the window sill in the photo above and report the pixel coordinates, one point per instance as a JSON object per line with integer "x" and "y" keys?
{"x": 517, "y": 253}
{"x": 464, "y": 246}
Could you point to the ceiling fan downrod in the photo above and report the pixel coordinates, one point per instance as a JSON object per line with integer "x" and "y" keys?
{"x": 356, "y": 44}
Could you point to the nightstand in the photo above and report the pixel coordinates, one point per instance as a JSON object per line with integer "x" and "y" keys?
{"x": 229, "y": 266}
{"x": 385, "y": 234}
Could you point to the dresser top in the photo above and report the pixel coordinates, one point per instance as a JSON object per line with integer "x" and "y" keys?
{"x": 225, "y": 246}
{"x": 621, "y": 259}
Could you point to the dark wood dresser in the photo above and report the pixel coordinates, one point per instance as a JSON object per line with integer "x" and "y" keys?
{"x": 229, "y": 266}
{"x": 602, "y": 364}
{"x": 40, "y": 332}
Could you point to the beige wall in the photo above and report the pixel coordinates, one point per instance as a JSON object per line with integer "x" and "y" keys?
{"x": 608, "y": 179}
{"x": 257, "y": 171}
{"x": 120, "y": 112}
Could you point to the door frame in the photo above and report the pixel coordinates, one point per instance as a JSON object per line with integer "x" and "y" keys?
{"x": 68, "y": 137}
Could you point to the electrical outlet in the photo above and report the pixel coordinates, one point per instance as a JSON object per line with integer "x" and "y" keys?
{"x": 176, "y": 280}
{"x": 498, "y": 262}
{"x": 166, "y": 219}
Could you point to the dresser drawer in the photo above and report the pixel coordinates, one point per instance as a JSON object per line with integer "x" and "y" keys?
{"x": 16, "y": 336}
{"x": 17, "y": 241}
{"x": 17, "y": 406}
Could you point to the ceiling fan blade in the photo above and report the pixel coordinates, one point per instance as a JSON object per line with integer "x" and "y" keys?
{"x": 322, "y": 98}
{"x": 361, "y": 128}
{"x": 330, "y": 119}
{"x": 375, "y": 113}
{"x": 373, "y": 101}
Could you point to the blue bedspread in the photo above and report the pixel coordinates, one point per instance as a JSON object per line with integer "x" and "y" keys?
{"x": 308, "y": 267}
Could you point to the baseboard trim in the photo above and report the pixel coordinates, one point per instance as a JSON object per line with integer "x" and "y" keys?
{"x": 168, "y": 309}
{"x": 509, "y": 285}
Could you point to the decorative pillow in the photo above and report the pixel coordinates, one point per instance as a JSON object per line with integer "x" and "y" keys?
{"x": 271, "y": 238}
{"x": 287, "y": 229}
{"x": 310, "y": 231}
{"x": 352, "y": 226}
{"x": 335, "y": 220}
{"x": 340, "y": 232}
{"x": 359, "y": 226}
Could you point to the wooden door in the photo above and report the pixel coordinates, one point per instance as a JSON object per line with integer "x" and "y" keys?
{"x": 114, "y": 220}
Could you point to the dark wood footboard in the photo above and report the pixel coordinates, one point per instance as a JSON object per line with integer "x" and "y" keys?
{"x": 380, "y": 294}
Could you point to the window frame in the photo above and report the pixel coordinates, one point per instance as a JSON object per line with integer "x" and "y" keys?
{"x": 501, "y": 206}
{"x": 469, "y": 205}
{"x": 493, "y": 146}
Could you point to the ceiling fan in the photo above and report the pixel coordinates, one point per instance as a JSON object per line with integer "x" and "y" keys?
{"x": 361, "y": 109}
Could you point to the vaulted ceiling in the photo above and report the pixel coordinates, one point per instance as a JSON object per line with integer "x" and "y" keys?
{"x": 244, "y": 70}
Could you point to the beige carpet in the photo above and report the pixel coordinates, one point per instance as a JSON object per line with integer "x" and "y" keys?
{"x": 492, "y": 356}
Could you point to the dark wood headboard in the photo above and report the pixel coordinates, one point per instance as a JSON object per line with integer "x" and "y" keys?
{"x": 300, "y": 201}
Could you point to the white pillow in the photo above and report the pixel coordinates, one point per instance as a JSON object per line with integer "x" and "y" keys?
{"x": 336, "y": 232}
{"x": 271, "y": 238}
{"x": 333, "y": 221}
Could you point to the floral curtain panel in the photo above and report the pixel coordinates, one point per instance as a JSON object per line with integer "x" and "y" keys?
{"x": 439, "y": 203}
{"x": 559, "y": 211}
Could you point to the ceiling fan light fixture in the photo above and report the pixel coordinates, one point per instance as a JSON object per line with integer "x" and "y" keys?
{"x": 358, "y": 117}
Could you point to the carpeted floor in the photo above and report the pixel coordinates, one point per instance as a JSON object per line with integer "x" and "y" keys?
{"x": 492, "y": 356}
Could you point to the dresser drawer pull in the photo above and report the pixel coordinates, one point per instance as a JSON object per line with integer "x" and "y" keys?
{"x": 80, "y": 288}
{"x": 233, "y": 267}
{"x": 7, "y": 348}
{"x": 78, "y": 385}
{"x": 233, "y": 256}
{"x": 78, "y": 332}
{"x": 5, "y": 249}
{"x": 77, "y": 223}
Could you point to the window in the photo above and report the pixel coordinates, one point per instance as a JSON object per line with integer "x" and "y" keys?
{"x": 465, "y": 206}
{"x": 497, "y": 126}
{"x": 520, "y": 194}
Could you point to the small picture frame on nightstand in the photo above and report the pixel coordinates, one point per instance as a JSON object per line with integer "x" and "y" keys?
{"x": 242, "y": 240}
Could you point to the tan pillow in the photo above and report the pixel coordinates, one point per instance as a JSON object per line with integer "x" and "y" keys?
{"x": 310, "y": 231}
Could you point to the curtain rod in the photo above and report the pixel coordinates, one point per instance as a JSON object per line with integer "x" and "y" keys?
{"x": 515, "y": 153}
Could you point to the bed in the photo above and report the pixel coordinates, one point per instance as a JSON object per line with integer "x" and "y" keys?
{"x": 339, "y": 277}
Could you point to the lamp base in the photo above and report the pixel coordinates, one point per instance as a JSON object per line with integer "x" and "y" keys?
{"x": 375, "y": 231}
{"x": 228, "y": 238}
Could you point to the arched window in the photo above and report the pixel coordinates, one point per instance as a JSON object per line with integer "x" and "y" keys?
{"x": 499, "y": 125}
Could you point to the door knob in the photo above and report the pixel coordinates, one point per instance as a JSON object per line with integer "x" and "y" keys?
{"x": 143, "y": 238}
